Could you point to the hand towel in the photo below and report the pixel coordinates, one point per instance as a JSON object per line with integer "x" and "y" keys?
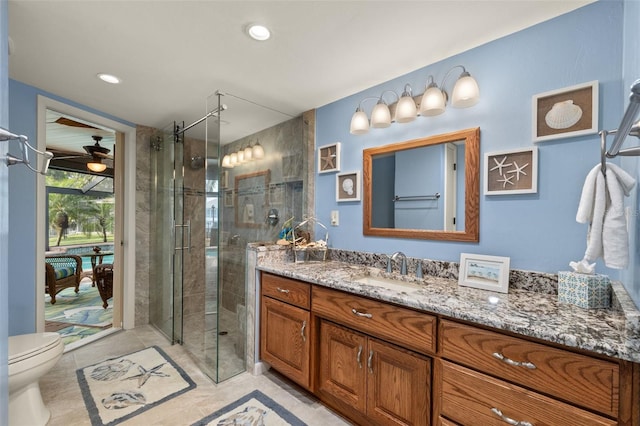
{"x": 602, "y": 206}
{"x": 615, "y": 239}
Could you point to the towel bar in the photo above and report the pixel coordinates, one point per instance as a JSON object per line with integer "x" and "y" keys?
{"x": 416, "y": 197}
{"x": 626, "y": 128}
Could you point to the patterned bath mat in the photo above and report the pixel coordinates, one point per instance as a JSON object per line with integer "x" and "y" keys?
{"x": 120, "y": 388}
{"x": 252, "y": 409}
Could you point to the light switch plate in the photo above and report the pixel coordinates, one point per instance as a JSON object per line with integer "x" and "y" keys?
{"x": 335, "y": 218}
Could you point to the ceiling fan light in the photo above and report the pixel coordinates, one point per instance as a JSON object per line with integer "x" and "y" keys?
{"x": 96, "y": 165}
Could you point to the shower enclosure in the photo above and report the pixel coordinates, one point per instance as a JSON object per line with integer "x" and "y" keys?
{"x": 204, "y": 214}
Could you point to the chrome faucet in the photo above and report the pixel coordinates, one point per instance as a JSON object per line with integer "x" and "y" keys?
{"x": 403, "y": 265}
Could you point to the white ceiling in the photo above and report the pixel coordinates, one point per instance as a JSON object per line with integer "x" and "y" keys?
{"x": 173, "y": 55}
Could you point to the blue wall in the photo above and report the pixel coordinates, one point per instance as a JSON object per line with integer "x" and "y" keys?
{"x": 22, "y": 209}
{"x": 538, "y": 231}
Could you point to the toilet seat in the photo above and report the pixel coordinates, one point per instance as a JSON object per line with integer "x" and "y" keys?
{"x": 29, "y": 345}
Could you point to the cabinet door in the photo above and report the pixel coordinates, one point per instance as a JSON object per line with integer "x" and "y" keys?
{"x": 285, "y": 340}
{"x": 342, "y": 365}
{"x": 398, "y": 385}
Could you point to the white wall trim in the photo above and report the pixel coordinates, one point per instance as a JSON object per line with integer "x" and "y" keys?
{"x": 129, "y": 197}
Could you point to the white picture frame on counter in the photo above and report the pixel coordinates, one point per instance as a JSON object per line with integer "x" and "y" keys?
{"x": 484, "y": 272}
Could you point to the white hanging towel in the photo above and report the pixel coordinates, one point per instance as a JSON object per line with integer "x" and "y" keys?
{"x": 602, "y": 206}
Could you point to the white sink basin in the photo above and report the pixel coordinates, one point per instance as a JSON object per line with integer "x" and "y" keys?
{"x": 389, "y": 283}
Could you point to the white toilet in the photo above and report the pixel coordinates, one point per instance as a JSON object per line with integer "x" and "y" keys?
{"x": 31, "y": 356}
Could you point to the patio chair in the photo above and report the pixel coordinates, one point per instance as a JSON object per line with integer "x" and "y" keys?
{"x": 62, "y": 271}
{"x": 104, "y": 282}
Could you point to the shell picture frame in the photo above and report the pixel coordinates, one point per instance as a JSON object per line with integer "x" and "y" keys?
{"x": 564, "y": 113}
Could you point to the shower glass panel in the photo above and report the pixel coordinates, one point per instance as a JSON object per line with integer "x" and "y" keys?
{"x": 204, "y": 215}
{"x": 166, "y": 202}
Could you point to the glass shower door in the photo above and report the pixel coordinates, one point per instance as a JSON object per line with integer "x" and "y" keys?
{"x": 167, "y": 235}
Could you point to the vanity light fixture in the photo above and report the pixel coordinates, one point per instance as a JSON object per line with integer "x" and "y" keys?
{"x": 258, "y": 151}
{"x": 243, "y": 155}
{"x": 466, "y": 93}
{"x": 433, "y": 102}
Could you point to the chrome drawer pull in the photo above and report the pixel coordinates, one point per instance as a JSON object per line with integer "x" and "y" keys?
{"x": 282, "y": 290}
{"x": 304, "y": 325}
{"x": 370, "y": 361}
{"x": 361, "y": 314}
{"x": 508, "y": 419}
{"x": 529, "y": 365}
{"x": 358, "y": 357}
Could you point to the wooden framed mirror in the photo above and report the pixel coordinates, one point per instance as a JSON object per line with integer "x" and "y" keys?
{"x": 426, "y": 188}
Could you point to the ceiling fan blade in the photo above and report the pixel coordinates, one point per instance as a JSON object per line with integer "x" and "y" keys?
{"x": 69, "y": 122}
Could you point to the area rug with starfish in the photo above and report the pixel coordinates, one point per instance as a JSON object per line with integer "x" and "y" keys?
{"x": 120, "y": 388}
{"x": 254, "y": 408}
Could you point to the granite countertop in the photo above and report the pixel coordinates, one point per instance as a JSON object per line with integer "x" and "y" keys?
{"x": 611, "y": 332}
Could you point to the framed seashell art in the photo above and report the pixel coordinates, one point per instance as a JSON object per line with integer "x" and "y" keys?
{"x": 564, "y": 113}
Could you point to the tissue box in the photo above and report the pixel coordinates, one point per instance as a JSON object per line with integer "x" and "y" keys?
{"x": 589, "y": 291}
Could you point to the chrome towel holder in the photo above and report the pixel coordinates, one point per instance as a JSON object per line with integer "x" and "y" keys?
{"x": 626, "y": 128}
{"x": 10, "y": 160}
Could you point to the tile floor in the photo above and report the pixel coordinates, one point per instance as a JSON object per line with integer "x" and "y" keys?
{"x": 61, "y": 393}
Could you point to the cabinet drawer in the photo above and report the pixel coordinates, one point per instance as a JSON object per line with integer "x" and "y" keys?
{"x": 472, "y": 398}
{"x": 405, "y": 327}
{"x": 291, "y": 291}
{"x": 580, "y": 379}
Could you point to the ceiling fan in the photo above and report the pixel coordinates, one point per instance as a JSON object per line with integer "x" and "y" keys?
{"x": 98, "y": 153}
{"x": 97, "y": 157}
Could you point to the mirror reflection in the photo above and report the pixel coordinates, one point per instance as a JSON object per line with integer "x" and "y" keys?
{"x": 426, "y": 188}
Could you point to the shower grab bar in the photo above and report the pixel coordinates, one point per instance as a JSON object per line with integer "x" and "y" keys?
{"x": 416, "y": 197}
{"x": 188, "y": 226}
{"x": 626, "y": 128}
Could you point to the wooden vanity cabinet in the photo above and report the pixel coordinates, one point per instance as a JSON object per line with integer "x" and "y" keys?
{"x": 486, "y": 378}
{"x": 386, "y": 383}
{"x": 378, "y": 363}
{"x": 285, "y": 327}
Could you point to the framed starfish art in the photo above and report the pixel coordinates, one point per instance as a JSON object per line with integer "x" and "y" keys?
{"x": 511, "y": 172}
{"x": 329, "y": 158}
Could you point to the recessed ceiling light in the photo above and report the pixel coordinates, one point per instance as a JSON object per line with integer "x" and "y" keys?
{"x": 258, "y": 32}
{"x": 109, "y": 78}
